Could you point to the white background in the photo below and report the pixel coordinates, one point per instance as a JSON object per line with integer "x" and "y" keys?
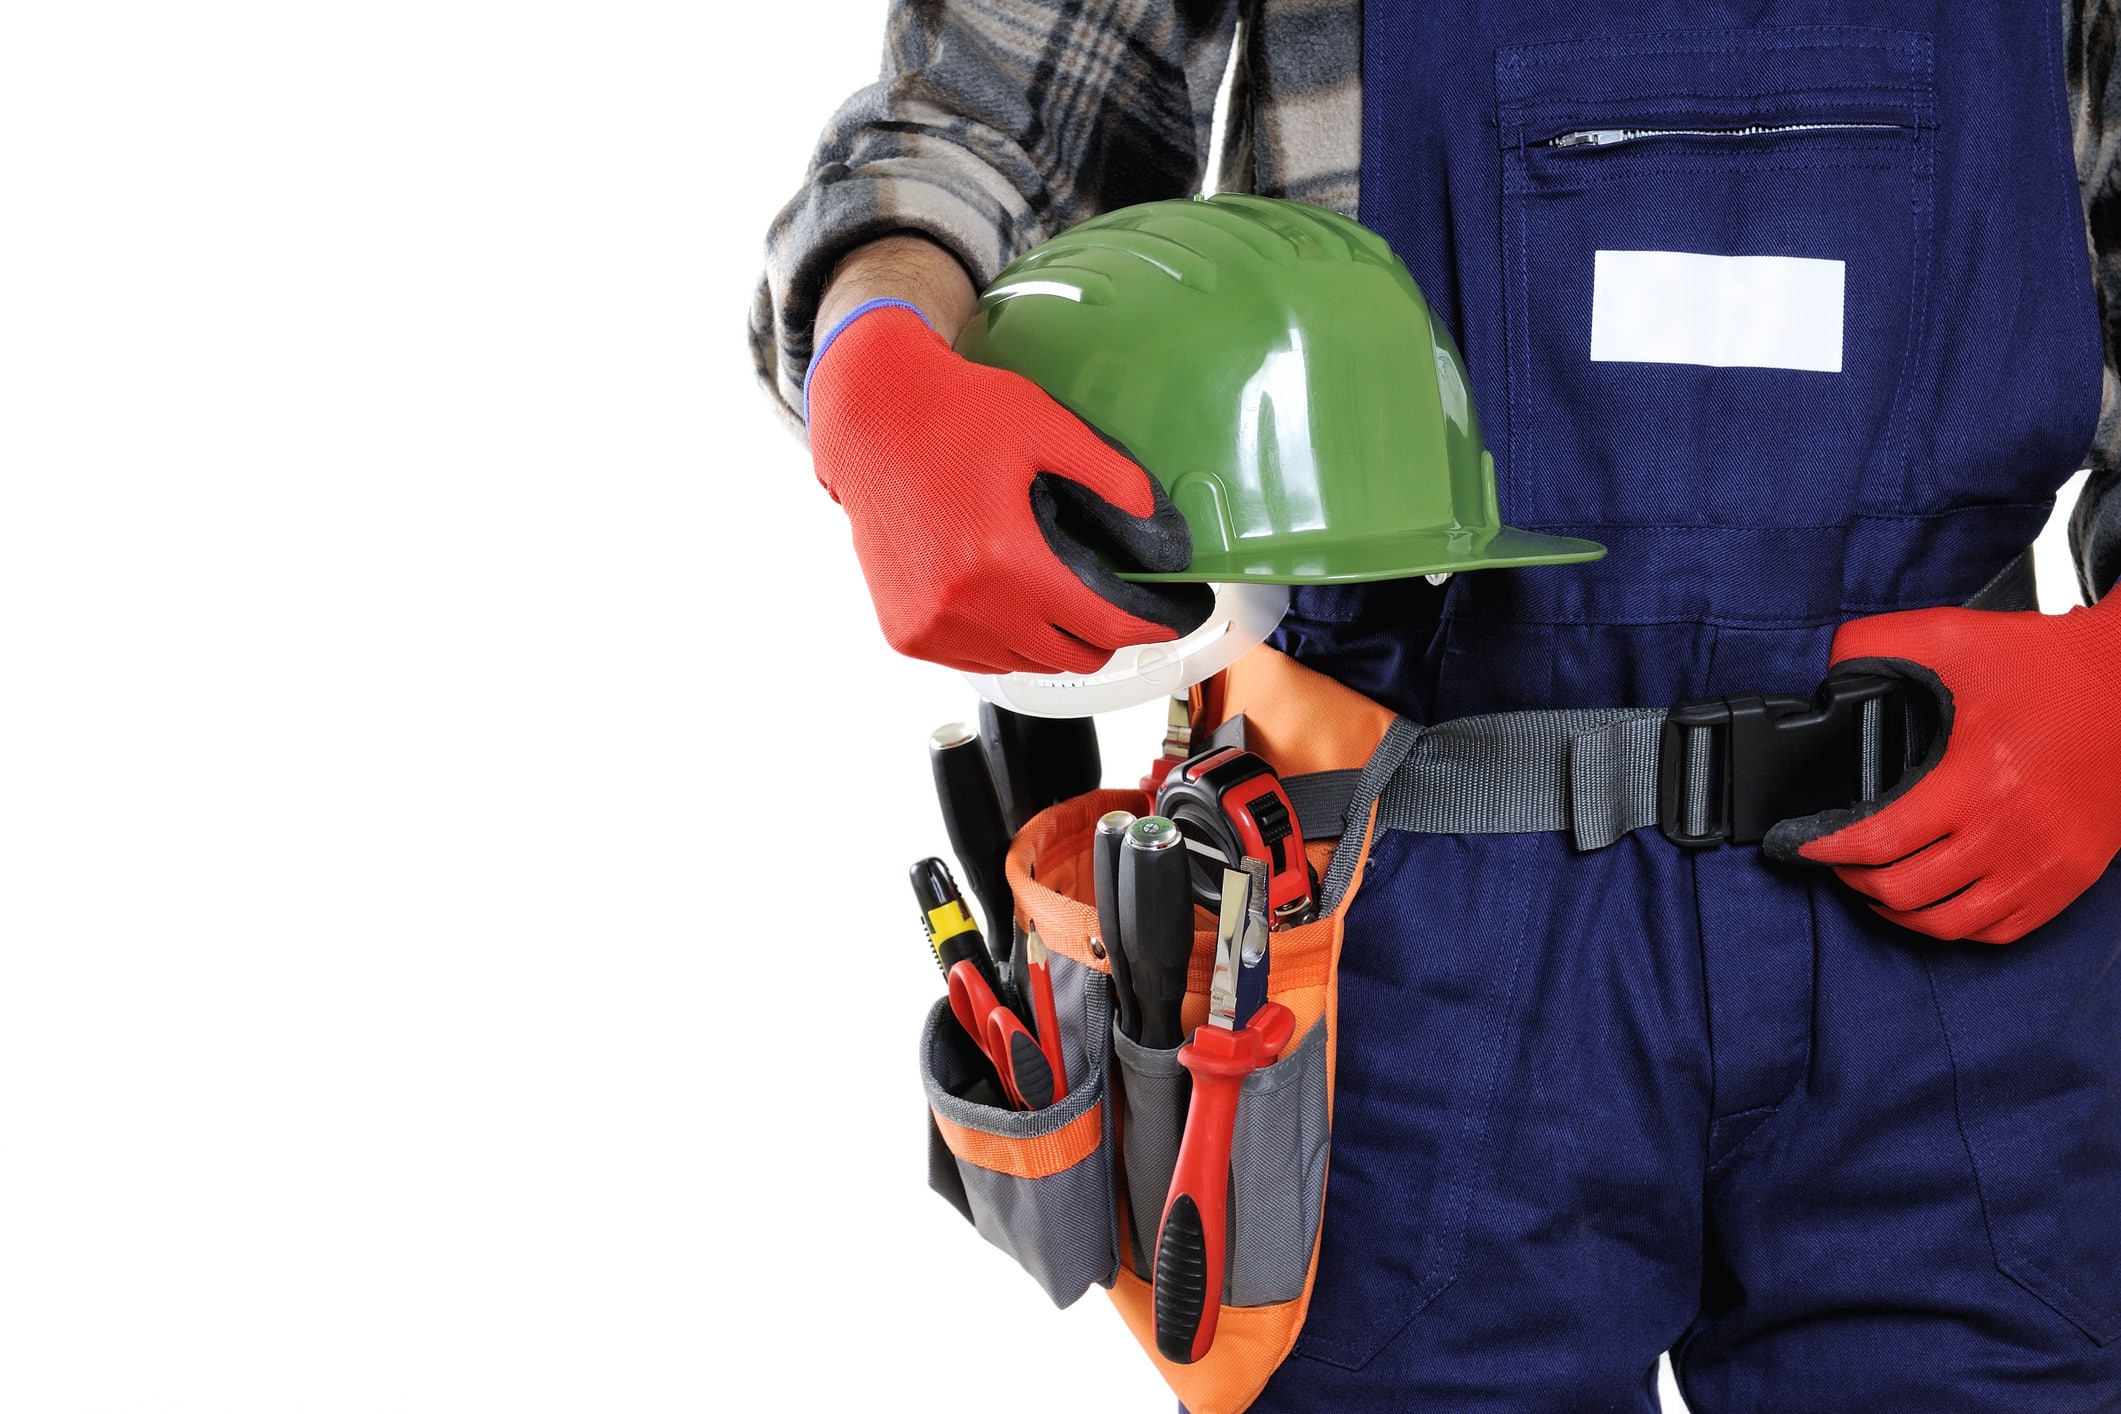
{"x": 454, "y": 801}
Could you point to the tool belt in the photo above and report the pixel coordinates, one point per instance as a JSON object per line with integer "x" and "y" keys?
{"x": 1706, "y": 772}
{"x": 1072, "y": 1191}
{"x": 1717, "y": 770}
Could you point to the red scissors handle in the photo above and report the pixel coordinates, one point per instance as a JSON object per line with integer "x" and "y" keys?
{"x": 1026, "y": 1077}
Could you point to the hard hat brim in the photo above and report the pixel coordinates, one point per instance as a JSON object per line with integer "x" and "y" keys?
{"x": 1244, "y": 615}
{"x": 1333, "y": 560}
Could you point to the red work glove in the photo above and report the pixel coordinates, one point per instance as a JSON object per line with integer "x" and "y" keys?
{"x": 979, "y": 505}
{"x": 2017, "y": 808}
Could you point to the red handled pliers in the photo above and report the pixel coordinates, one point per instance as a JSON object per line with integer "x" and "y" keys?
{"x": 1026, "y": 1076}
{"x": 1188, "y": 1276}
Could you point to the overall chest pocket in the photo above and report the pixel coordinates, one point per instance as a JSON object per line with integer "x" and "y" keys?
{"x": 1716, "y": 253}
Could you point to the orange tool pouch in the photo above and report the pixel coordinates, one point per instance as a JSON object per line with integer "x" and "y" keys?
{"x": 1075, "y": 1192}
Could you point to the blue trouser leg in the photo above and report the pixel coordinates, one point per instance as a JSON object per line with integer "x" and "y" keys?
{"x": 1931, "y": 1221}
{"x": 1592, "y": 1106}
{"x": 1513, "y": 1215}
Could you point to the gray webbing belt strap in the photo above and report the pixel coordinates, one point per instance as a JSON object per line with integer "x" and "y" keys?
{"x": 1370, "y": 783}
{"x": 2016, "y": 587}
{"x": 1321, "y": 801}
{"x": 1592, "y": 772}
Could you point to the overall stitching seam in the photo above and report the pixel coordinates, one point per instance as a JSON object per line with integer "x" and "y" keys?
{"x": 1507, "y": 65}
{"x": 1852, "y": 96}
{"x": 1728, "y": 42}
{"x": 1920, "y": 203}
{"x": 1804, "y": 1069}
{"x": 1473, "y": 1128}
{"x": 1583, "y": 180}
{"x": 1780, "y": 1110}
{"x": 1521, "y": 390}
{"x": 1892, "y": 517}
{"x": 1824, "y": 619}
{"x": 1717, "y": 1164}
{"x": 1723, "y": 1162}
{"x": 1701, "y": 933}
{"x": 1749, "y": 1110}
{"x": 1512, "y": 350}
{"x": 1642, "y": 165}
{"x": 1701, "y": 957}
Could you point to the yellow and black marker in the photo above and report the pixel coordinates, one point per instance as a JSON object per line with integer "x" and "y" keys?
{"x": 952, "y": 931}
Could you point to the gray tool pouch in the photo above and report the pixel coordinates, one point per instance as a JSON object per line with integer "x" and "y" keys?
{"x": 1277, "y": 1163}
{"x": 1038, "y": 1184}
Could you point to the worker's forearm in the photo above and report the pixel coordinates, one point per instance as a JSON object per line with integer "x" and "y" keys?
{"x": 906, "y": 267}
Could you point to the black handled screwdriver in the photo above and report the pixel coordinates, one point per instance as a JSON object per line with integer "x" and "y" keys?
{"x": 979, "y": 837}
{"x": 1038, "y": 761}
{"x": 1111, "y": 838}
{"x": 1156, "y": 925}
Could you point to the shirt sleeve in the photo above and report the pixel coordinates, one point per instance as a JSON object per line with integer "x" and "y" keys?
{"x": 994, "y": 124}
{"x": 2095, "y": 111}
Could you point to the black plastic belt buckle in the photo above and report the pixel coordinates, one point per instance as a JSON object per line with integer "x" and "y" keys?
{"x": 1775, "y": 757}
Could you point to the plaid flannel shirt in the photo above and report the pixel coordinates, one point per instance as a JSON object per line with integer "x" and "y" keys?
{"x": 997, "y": 123}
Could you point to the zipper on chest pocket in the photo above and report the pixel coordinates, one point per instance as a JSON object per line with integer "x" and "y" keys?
{"x": 1613, "y": 137}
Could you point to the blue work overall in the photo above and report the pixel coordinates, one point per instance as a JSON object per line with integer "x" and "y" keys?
{"x": 1594, "y": 1105}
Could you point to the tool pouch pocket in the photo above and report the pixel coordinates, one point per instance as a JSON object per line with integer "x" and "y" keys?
{"x": 1038, "y": 1184}
{"x": 1278, "y": 1176}
{"x": 1154, "y": 1090}
{"x": 1277, "y": 1163}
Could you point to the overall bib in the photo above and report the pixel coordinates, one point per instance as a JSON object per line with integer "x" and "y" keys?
{"x": 1594, "y": 1105}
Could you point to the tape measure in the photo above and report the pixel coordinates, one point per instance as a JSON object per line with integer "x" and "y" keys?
{"x": 1229, "y": 805}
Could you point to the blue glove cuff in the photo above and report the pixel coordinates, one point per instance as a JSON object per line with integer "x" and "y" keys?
{"x": 825, "y": 344}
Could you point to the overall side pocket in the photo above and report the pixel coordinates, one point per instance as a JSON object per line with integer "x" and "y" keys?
{"x": 1427, "y": 1002}
{"x": 1038, "y": 1184}
{"x": 2034, "y": 1032}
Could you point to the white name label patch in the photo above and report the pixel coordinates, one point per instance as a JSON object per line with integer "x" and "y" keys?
{"x": 1726, "y": 311}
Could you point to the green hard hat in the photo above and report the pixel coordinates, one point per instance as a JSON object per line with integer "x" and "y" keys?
{"x": 1274, "y": 365}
